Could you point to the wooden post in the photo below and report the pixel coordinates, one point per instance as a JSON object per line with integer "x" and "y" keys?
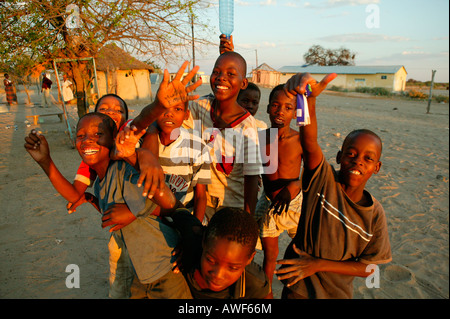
{"x": 433, "y": 72}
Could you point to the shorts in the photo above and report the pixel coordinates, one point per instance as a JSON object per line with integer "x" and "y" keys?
{"x": 272, "y": 225}
{"x": 169, "y": 286}
{"x": 121, "y": 271}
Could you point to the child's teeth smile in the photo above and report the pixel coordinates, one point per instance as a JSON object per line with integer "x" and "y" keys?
{"x": 278, "y": 120}
{"x": 355, "y": 172}
{"x": 220, "y": 87}
{"x": 90, "y": 151}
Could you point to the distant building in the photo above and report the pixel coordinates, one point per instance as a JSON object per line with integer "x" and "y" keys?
{"x": 391, "y": 77}
{"x": 266, "y": 76}
{"x": 198, "y": 76}
{"x": 120, "y": 73}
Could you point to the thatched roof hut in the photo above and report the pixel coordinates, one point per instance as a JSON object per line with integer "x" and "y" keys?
{"x": 120, "y": 73}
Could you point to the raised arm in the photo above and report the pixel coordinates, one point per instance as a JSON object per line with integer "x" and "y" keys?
{"x": 308, "y": 134}
{"x": 226, "y": 45}
{"x": 37, "y": 146}
{"x": 169, "y": 93}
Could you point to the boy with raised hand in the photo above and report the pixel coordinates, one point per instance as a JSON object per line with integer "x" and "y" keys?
{"x": 279, "y": 207}
{"x": 342, "y": 227}
{"x": 138, "y": 233}
{"x": 170, "y": 94}
{"x": 236, "y": 163}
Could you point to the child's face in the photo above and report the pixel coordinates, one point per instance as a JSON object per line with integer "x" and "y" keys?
{"x": 173, "y": 117}
{"x": 359, "y": 159}
{"x": 223, "y": 262}
{"x": 112, "y": 107}
{"x": 281, "y": 109}
{"x": 93, "y": 141}
{"x": 249, "y": 99}
{"x": 228, "y": 77}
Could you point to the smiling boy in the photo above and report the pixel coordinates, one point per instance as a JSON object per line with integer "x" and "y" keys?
{"x": 225, "y": 269}
{"x": 236, "y": 164}
{"x": 278, "y": 209}
{"x": 181, "y": 158}
{"x": 342, "y": 228}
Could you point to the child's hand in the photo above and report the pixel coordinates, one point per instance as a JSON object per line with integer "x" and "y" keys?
{"x": 85, "y": 198}
{"x": 300, "y": 268}
{"x": 37, "y": 146}
{"x": 281, "y": 201}
{"x": 177, "y": 265}
{"x": 171, "y": 93}
{"x": 297, "y": 84}
{"x": 118, "y": 216}
{"x": 150, "y": 172}
{"x": 226, "y": 45}
{"x": 126, "y": 141}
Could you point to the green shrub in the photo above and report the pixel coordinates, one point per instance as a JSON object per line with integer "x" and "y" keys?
{"x": 381, "y": 91}
{"x": 374, "y": 91}
{"x": 441, "y": 98}
{"x": 363, "y": 89}
{"x": 337, "y": 88}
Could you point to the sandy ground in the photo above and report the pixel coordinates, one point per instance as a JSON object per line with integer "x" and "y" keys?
{"x": 38, "y": 239}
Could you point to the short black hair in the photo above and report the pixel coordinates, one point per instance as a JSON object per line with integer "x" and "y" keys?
{"x": 124, "y": 104}
{"x": 237, "y": 55}
{"x": 235, "y": 225}
{"x": 250, "y": 87}
{"x": 355, "y": 133}
{"x": 110, "y": 125}
{"x": 279, "y": 87}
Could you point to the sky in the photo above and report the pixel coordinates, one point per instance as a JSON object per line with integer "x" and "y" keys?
{"x": 411, "y": 33}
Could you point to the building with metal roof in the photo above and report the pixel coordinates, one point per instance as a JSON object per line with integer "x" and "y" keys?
{"x": 392, "y": 77}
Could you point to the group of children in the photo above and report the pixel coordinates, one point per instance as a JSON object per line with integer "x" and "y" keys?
{"x": 178, "y": 187}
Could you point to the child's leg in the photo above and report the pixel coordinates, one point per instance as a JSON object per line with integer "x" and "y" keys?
{"x": 270, "y": 248}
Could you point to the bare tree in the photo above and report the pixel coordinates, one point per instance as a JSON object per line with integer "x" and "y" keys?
{"x": 45, "y": 30}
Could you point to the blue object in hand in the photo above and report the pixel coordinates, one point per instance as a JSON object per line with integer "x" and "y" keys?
{"x": 226, "y": 17}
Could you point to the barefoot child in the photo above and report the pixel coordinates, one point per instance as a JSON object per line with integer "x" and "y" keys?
{"x": 280, "y": 206}
{"x": 342, "y": 228}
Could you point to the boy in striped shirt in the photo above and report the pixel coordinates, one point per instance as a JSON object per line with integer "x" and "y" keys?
{"x": 187, "y": 171}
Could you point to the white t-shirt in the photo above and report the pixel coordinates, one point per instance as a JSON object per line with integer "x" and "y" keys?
{"x": 234, "y": 152}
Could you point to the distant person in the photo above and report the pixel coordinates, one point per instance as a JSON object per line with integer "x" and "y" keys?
{"x": 46, "y": 86}
{"x": 10, "y": 90}
{"x": 67, "y": 89}
{"x": 342, "y": 227}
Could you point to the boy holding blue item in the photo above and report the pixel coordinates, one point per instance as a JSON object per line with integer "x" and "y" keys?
{"x": 342, "y": 228}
